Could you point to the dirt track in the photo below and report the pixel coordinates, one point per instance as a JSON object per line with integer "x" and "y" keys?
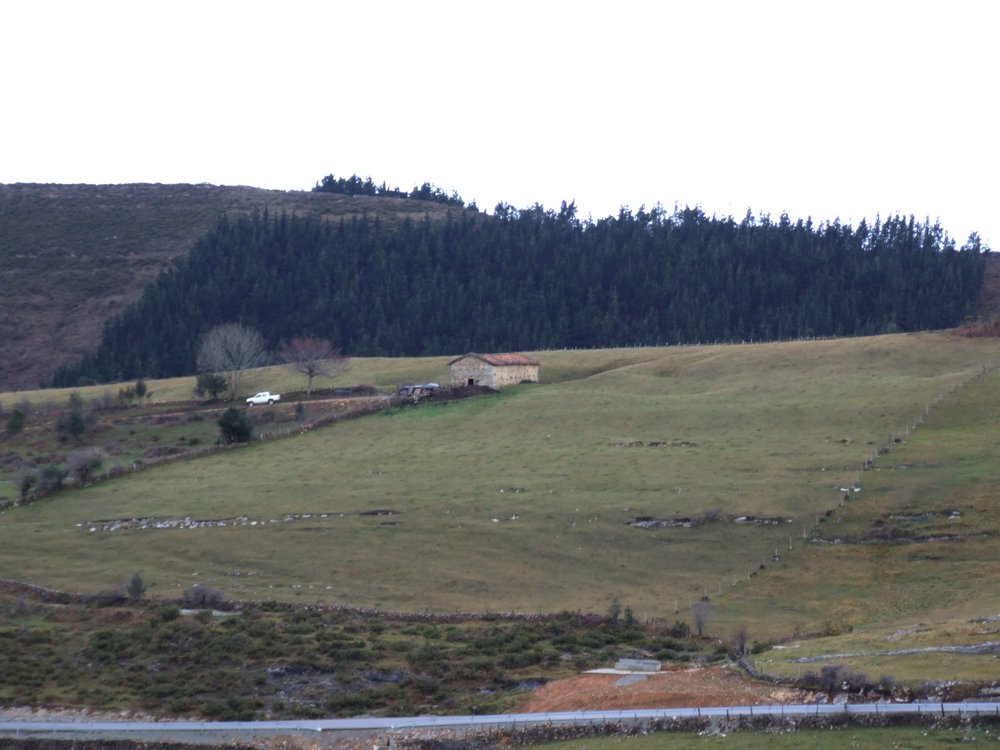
{"x": 702, "y": 686}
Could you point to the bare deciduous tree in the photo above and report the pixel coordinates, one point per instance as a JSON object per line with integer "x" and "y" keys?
{"x": 229, "y": 350}
{"x": 702, "y": 614}
{"x": 314, "y": 358}
{"x": 739, "y": 641}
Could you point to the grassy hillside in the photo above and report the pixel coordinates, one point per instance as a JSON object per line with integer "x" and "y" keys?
{"x": 73, "y": 255}
{"x": 524, "y": 501}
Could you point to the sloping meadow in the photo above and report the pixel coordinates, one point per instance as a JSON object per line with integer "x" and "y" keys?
{"x": 654, "y": 478}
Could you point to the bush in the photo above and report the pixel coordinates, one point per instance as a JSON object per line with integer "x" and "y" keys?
{"x": 886, "y": 684}
{"x": 83, "y": 464}
{"x": 74, "y": 423}
{"x": 235, "y": 426}
{"x": 25, "y": 480}
{"x": 135, "y": 588}
{"x": 105, "y": 402}
{"x": 116, "y": 470}
{"x": 167, "y": 613}
{"x": 829, "y": 678}
{"x": 680, "y": 629}
{"x": 210, "y": 384}
{"x": 199, "y": 596}
{"x": 614, "y": 610}
{"x": 16, "y": 420}
{"x": 50, "y": 478}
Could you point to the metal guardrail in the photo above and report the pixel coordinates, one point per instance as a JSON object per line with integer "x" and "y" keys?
{"x": 175, "y": 730}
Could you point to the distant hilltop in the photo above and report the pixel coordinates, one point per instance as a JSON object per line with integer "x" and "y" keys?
{"x": 72, "y": 256}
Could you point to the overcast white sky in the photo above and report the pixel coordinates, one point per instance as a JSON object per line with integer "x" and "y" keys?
{"x": 825, "y": 109}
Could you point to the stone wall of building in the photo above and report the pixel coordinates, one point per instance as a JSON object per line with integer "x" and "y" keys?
{"x": 513, "y": 374}
{"x": 468, "y": 369}
{"x": 482, "y": 373}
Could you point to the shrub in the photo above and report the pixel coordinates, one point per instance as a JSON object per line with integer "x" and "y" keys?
{"x": 50, "y": 478}
{"x": 629, "y": 617}
{"x": 25, "y": 480}
{"x": 614, "y": 610}
{"x": 680, "y": 629}
{"x": 167, "y": 613}
{"x": 105, "y": 402}
{"x": 235, "y": 426}
{"x": 135, "y": 587}
{"x": 210, "y": 384}
{"x": 83, "y": 464}
{"x": 74, "y": 423}
{"x": 116, "y": 471}
{"x": 886, "y": 684}
{"x": 520, "y": 659}
{"x": 16, "y": 420}
{"x": 198, "y": 596}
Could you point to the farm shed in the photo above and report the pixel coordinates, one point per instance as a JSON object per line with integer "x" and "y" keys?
{"x": 494, "y": 370}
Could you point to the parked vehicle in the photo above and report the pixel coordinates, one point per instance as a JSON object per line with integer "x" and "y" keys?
{"x": 264, "y": 397}
{"x": 417, "y": 391}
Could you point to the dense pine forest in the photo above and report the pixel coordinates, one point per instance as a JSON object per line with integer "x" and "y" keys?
{"x": 535, "y": 279}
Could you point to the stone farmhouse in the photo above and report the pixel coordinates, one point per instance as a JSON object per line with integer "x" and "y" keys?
{"x": 493, "y": 370}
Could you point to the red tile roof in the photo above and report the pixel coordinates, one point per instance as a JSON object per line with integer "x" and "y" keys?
{"x": 499, "y": 360}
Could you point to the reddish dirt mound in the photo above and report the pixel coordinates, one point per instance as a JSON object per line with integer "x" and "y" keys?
{"x": 676, "y": 688}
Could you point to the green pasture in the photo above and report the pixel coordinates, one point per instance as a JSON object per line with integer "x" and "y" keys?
{"x": 382, "y": 372}
{"x": 522, "y": 501}
{"x": 936, "y": 583}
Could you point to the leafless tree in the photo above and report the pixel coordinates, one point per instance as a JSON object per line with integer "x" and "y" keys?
{"x": 702, "y": 614}
{"x": 739, "y": 641}
{"x": 229, "y": 350}
{"x": 314, "y": 358}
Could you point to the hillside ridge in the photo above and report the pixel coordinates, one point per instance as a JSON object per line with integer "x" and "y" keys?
{"x": 72, "y": 256}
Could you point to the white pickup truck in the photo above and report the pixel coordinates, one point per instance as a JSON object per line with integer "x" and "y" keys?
{"x": 264, "y": 397}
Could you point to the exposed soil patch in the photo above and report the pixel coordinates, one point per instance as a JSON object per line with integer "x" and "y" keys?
{"x": 702, "y": 686}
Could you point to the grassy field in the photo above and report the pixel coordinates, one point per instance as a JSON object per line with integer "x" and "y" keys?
{"x": 523, "y": 501}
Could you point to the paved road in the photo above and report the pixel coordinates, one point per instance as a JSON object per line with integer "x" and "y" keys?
{"x": 229, "y": 731}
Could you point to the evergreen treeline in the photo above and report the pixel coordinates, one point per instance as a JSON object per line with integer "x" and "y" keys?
{"x": 354, "y": 185}
{"x": 535, "y": 279}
